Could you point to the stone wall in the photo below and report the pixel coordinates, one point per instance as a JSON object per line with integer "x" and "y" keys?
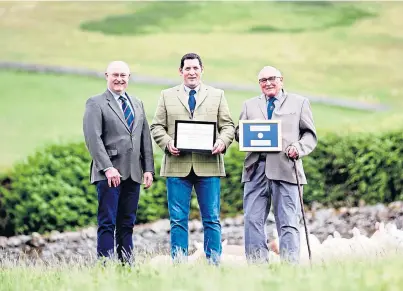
{"x": 154, "y": 237}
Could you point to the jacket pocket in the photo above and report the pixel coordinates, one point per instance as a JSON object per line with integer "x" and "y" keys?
{"x": 286, "y": 113}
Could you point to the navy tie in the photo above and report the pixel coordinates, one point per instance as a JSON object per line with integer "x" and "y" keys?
{"x": 127, "y": 112}
{"x": 270, "y": 107}
{"x": 192, "y": 101}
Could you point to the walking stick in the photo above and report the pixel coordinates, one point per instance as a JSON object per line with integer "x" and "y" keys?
{"x": 303, "y": 213}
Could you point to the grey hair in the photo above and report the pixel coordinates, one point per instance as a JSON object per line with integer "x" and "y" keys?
{"x": 278, "y": 73}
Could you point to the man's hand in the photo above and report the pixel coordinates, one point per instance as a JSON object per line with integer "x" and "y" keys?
{"x": 292, "y": 152}
{"x": 172, "y": 149}
{"x": 113, "y": 176}
{"x": 148, "y": 179}
{"x": 219, "y": 147}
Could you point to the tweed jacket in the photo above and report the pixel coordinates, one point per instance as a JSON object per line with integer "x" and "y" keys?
{"x": 173, "y": 105}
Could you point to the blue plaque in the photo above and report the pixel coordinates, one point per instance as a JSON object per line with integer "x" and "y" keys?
{"x": 260, "y": 136}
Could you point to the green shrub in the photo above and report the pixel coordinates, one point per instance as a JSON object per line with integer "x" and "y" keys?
{"x": 153, "y": 202}
{"x": 340, "y": 171}
{"x": 366, "y": 167}
{"x": 231, "y": 187}
{"x": 52, "y": 191}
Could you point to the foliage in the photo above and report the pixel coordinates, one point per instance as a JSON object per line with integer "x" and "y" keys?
{"x": 365, "y": 167}
{"x": 52, "y": 190}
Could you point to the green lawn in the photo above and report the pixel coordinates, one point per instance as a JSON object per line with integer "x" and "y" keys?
{"x": 343, "y": 50}
{"x": 346, "y": 50}
{"x": 36, "y": 109}
{"x": 368, "y": 275}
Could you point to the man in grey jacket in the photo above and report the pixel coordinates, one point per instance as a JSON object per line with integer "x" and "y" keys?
{"x": 270, "y": 177}
{"x": 118, "y": 138}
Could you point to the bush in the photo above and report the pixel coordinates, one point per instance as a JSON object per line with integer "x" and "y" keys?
{"x": 340, "y": 171}
{"x": 52, "y": 191}
{"x": 366, "y": 167}
{"x": 153, "y": 202}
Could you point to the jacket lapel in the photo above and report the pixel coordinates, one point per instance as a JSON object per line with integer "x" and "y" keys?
{"x": 181, "y": 94}
{"x": 201, "y": 95}
{"x": 136, "y": 110}
{"x": 115, "y": 108}
{"x": 283, "y": 97}
{"x": 262, "y": 105}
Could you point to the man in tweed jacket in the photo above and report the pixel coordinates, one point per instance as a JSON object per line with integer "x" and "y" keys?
{"x": 193, "y": 100}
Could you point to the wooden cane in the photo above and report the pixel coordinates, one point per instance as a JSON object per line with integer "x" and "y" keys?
{"x": 303, "y": 213}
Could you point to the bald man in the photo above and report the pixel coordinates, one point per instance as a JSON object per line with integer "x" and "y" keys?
{"x": 270, "y": 177}
{"x": 117, "y": 136}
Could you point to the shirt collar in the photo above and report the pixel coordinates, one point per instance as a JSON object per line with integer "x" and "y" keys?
{"x": 279, "y": 96}
{"x": 187, "y": 89}
{"x": 116, "y": 96}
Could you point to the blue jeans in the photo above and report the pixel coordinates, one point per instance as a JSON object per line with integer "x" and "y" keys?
{"x": 208, "y": 195}
{"x": 117, "y": 207}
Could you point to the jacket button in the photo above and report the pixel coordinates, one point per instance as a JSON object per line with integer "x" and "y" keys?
{"x": 130, "y": 150}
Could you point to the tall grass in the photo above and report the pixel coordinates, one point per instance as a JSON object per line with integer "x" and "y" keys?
{"x": 369, "y": 274}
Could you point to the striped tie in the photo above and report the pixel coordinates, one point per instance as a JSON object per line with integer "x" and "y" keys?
{"x": 127, "y": 112}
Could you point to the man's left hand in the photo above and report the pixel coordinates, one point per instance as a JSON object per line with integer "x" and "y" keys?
{"x": 148, "y": 179}
{"x": 219, "y": 147}
{"x": 292, "y": 152}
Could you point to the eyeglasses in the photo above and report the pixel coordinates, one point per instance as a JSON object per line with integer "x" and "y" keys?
{"x": 270, "y": 79}
{"x": 117, "y": 75}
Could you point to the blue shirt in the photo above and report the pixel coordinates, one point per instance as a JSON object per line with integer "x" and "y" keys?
{"x": 187, "y": 90}
{"x": 279, "y": 97}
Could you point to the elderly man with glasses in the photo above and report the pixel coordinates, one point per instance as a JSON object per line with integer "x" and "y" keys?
{"x": 270, "y": 177}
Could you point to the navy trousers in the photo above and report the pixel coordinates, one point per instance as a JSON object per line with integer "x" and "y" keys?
{"x": 117, "y": 208}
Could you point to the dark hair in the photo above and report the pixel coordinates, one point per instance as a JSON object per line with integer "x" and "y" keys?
{"x": 190, "y": 56}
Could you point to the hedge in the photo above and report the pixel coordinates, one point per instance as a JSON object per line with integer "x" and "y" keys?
{"x": 51, "y": 190}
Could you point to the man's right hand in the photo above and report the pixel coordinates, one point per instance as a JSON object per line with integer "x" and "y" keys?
{"x": 113, "y": 177}
{"x": 172, "y": 149}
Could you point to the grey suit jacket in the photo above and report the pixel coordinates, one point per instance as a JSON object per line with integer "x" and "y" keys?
{"x": 297, "y": 128}
{"x": 110, "y": 142}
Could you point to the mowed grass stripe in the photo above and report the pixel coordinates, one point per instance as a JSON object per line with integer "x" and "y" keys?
{"x": 360, "y": 59}
{"x": 36, "y": 109}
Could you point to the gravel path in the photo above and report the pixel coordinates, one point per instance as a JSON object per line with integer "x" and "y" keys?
{"x": 154, "y": 237}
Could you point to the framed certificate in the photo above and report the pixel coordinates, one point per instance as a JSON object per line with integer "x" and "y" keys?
{"x": 195, "y": 136}
{"x": 260, "y": 136}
